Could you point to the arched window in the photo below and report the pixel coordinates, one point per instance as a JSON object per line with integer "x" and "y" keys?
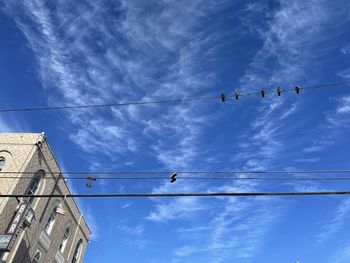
{"x": 77, "y": 252}
{"x": 2, "y": 162}
{"x": 34, "y": 184}
{"x": 64, "y": 239}
{"x": 51, "y": 221}
{"x": 37, "y": 258}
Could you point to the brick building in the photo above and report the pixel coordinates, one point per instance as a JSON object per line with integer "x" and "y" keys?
{"x": 37, "y": 229}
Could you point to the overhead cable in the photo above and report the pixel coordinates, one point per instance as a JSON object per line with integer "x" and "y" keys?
{"x": 230, "y": 194}
{"x": 222, "y": 96}
{"x": 107, "y": 105}
{"x": 174, "y": 178}
{"x": 321, "y": 171}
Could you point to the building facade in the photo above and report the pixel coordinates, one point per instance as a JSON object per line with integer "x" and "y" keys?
{"x": 37, "y": 229}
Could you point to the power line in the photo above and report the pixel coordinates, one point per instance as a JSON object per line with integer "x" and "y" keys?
{"x": 195, "y": 178}
{"x": 328, "y": 85}
{"x": 135, "y": 103}
{"x": 169, "y": 101}
{"x": 181, "y": 194}
{"x": 335, "y": 171}
{"x": 319, "y": 86}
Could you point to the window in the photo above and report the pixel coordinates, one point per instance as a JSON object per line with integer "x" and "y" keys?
{"x": 2, "y": 162}
{"x": 34, "y": 184}
{"x": 37, "y": 256}
{"x": 51, "y": 221}
{"x": 64, "y": 240}
{"x": 77, "y": 252}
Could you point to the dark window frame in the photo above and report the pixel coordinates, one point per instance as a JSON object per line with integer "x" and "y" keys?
{"x": 34, "y": 185}
{"x": 77, "y": 251}
{"x": 65, "y": 238}
{"x": 2, "y": 162}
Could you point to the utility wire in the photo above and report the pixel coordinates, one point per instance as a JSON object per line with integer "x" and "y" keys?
{"x": 106, "y": 105}
{"x": 337, "y": 84}
{"x": 181, "y": 194}
{"x": 329, "y": 85}
{"x": 138, "y": 103}
{"x": 335, "y": 171}
{"x": 195, "y": 178}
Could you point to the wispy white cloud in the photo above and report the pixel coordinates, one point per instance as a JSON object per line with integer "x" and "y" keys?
{"x": 346, "y": 49}
{"x": 11, "y": 124}
{"x": 91, "y": 220}
{"x": 177, "y": 208}
{"x": 286, "y": 43}
{"x": 344, "y": 105}
{"x": 232, "y": 232}
{"x": 337, "y": 220}
{"x": 126, "y": 205}
{"x": 307, "y": 160}
{"x": 341, "y": 256}
{"x": 4, "y": 127}
{"x": 317, "y": 146}
{"x": 132, "y": 235}
{"x": 83, "y": 60}
{"x": 289, "y": 40}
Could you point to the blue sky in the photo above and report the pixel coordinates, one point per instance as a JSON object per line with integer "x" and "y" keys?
{"x": 83, "y": 52}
